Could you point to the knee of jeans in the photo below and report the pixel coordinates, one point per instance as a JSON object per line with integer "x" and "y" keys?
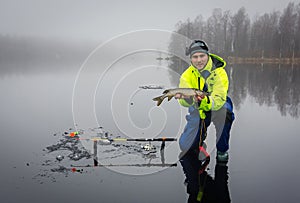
{"x": 229, "y": 117}
{"x": 192, "y": 119}
{"x": 184, "y": 144}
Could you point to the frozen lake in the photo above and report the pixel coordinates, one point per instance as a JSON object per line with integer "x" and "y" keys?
{"x": 263, "y": 165}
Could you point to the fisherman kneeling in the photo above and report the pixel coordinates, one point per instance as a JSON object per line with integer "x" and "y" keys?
{"x": 206, "y": 73}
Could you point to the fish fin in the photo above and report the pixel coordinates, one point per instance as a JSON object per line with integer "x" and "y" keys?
{"x": 170, "y": 97}
{"x": 158, "y": 99}
{"x": 166, "y": 91}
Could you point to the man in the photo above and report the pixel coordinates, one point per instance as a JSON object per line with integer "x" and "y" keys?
{"x": 206, "y": 73}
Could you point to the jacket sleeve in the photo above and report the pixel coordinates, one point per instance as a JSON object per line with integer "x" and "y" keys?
{"x": 219, "y": 92}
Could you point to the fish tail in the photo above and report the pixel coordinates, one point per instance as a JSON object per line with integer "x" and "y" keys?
{"x": 159, "y": 99}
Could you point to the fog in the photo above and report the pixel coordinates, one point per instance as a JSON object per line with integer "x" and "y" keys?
{"x": 101, "y": 20}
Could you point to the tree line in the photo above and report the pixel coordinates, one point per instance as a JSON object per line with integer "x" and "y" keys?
{"x": 275, "y": 34}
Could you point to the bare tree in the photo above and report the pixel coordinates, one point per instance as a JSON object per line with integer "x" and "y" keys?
{"x": 270, "y": 35}
{"x": 199, "y": 27}
{"x": 297, "y": 32}
{"x": 287, "y": 30}
{"x": 240, "y": 25}
{"x": 263, "y": 35}
{"x": 215, "y": 35}
{"x": 225, "y": 31}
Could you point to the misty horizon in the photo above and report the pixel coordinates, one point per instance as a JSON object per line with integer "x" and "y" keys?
{"x": 99, "y": 21}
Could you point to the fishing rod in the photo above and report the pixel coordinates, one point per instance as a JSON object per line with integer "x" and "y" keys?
{"x": 147, "y": 147}
{"x": 79, "y": 168}
{"x": 124, "y": 165}
{"x": 163, "y": 139}
{"x": 107, "y": 140}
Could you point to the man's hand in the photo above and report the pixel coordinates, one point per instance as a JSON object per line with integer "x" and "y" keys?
{"x": 198, "y": 98}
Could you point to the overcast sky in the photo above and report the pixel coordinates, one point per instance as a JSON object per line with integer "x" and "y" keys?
{"x": 102, "y": 20}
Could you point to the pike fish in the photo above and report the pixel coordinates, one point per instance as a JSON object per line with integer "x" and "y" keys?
{"x": 170, "y": 93}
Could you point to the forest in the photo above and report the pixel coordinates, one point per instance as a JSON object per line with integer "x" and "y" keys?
{"x": 267, "y": 38}
{"x": 273, "y": 36}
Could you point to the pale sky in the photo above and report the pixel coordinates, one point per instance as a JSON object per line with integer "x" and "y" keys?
{"x": 102, "y": 20}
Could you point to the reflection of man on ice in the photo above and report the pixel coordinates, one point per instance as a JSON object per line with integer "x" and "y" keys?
{"x": 206, "y": 73}
{"x": 201, "y": 187}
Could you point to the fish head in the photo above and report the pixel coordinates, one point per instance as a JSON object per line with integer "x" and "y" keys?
{"x": 200, "y": 93}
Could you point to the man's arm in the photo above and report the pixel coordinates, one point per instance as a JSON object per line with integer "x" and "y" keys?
{"x": 219, "y": 92}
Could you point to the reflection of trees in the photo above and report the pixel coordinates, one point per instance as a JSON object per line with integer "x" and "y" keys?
{"x": 237, "y": 89}
{"x": 268, "y": 85}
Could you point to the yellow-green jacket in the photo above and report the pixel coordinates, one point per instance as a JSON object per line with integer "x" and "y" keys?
{"x": 217, "y": 84}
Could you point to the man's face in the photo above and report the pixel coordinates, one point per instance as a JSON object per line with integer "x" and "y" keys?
{"x": 199, "y": 60}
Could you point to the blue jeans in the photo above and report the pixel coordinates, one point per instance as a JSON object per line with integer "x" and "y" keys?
{"x": 196, "y": 128}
